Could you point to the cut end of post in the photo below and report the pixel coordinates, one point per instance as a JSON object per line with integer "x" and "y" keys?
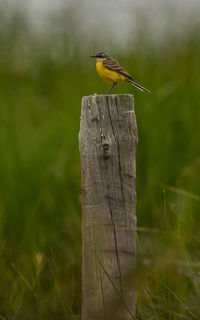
{"x": 114, "y": 99}
{"x": 109, "y": 95}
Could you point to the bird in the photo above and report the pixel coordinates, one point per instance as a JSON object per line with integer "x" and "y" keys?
{"x": 110, "y": 70}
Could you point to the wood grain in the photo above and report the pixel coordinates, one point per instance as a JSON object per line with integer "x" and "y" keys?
{"x": 107, "y": 142}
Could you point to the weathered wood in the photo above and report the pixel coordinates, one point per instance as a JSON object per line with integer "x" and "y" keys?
{"x": 107, "y": 141}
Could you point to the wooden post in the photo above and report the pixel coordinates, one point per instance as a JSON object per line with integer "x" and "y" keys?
{"x": 107, "y": 141}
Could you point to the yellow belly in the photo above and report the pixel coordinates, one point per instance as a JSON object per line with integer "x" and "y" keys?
{"x": 108, "y": 75}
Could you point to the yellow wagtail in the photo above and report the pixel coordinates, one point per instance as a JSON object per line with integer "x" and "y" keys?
{"x": 111, "y": 71}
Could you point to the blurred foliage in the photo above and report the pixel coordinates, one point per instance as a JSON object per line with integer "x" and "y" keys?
{"x": 40, "y": 211}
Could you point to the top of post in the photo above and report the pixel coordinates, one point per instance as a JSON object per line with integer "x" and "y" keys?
{"x": 109, "y": 97}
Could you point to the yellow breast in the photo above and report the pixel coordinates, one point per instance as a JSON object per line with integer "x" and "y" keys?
{"x": 108, "y": 75}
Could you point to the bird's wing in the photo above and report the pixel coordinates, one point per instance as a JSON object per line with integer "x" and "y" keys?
{"x": 113, "y": 65}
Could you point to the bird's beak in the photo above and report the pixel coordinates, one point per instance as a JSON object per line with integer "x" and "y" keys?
{"x": 92, "y": 56}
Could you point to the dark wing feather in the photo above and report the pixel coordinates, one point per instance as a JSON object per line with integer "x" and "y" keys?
{"x": 113, "y": 65}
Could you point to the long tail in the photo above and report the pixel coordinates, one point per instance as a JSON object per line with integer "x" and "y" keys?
{"x": 138, "y": 86}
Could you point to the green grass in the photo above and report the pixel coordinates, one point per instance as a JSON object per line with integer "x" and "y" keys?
{"x": 40, "y": 211}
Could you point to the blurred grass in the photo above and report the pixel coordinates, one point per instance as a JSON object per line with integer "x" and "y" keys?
{"x": 40, "y": 212}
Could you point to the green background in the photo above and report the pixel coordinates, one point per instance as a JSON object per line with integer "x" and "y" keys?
{"x": 40, "y": 210}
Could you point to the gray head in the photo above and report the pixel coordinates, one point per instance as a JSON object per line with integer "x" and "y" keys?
{"x": 100, "y": 56}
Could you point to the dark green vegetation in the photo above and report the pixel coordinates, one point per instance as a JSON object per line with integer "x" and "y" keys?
{"x": 40, "y": 211}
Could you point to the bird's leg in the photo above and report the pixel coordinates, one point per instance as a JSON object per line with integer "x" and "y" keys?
{"x": 114, "y": 84}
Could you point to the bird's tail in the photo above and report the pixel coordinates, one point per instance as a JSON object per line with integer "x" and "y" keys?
{"x": 138, "y": 86}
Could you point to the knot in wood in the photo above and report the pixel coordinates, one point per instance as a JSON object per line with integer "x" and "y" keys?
{"x": 105, "y": 150}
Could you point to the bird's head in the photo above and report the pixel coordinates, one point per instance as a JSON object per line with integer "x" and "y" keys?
{"x": 100, "y": 56}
